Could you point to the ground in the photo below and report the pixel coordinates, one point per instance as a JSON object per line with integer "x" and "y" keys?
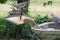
{"x": 4, "y": 9}
{"x": 46, "y": 10}
{"x": 35, "y": 8}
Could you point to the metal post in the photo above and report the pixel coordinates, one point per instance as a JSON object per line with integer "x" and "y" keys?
{"x": 17, "y": 33}
{"x": 21, "y": 13}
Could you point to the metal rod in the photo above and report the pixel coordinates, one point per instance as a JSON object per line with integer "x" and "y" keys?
{"x": 17, "y": 33}
{"x": 21, "y": 13}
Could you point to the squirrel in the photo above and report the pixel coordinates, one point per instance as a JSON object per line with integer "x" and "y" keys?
{"x": 31, "y": 22}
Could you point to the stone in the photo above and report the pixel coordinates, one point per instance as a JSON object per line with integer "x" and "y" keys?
{"x": 16, "y": 19}
{"x": 49, "y": 25}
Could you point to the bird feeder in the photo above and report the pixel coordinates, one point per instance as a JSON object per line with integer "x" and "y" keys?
{"x": 18, "y": 19}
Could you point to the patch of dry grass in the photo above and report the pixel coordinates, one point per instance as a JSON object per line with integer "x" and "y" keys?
{"x": 36, "y": 7}
{"x": 4, "y": 9}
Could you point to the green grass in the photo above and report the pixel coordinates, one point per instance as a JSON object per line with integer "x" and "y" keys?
{"x": 34, "y": 13}
{"x": 11, "y": 2}
{"x": 2, "y": 15}
{"x": 6, "y": 28}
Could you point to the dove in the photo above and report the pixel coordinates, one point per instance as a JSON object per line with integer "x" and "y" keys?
{"x": 20, "y": 5}
{"x": 55, "y": 18}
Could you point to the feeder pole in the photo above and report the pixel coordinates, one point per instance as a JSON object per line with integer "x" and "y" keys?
{"x": 21, "y": 13}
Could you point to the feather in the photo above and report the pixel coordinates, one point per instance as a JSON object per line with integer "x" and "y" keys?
{"x": 55, "y": 18}
{"x": 20, "y": 5}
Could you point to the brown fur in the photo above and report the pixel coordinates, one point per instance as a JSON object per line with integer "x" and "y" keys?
{"x": 31, "y": 22}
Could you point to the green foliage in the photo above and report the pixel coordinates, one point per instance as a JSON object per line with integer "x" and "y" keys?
{"x": 50, "y": 2}
{"x": 2, "y": 27}
{"x": 11, "y": 3}
{"x": 44, "y": 4}
{"x": 57, "y": 38}
{"x": 40, "y": 19}
{"x": 26, "y": 32}
{"x": 26, "y": 9}
{"x": 14, "y": 11}
{"x": 3, "y": 1}
{"x": 8, "y": 30}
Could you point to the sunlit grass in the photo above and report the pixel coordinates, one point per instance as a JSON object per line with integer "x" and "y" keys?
{"x": 3, "y": 15}
{"x": 34, "y": 13}
{"x": 40, "y": 2}
{"x": 11, "y": 2}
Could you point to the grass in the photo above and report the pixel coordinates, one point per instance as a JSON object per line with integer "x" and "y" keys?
{"x": 40, "y": 2}
{"x": 35, "y": 4}
{"x": 36, "y": 7}
{"x": 3, "y": 15}
{"x": 34, "y": 13}
{"x": 11, "y": 2}
{"x": 4, "y": 9}
{"x": 6, "y": 28}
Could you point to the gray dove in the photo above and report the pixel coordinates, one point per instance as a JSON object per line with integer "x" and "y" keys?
{"x": 55, "y": 18}
{"x": 20, "y": 5}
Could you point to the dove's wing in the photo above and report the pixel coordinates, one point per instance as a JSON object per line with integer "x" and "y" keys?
{"x": 20, "y": 5}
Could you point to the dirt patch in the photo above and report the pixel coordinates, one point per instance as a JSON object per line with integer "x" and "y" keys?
{"x": 52, "y": 9}
{"x": 4, "y": 8}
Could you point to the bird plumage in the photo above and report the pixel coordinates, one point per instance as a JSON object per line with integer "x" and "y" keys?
{"x": 55, "y": 18}
{"x": 20, "y": 5}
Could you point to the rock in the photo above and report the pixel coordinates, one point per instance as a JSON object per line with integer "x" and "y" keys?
{"x": 50, "y": 25}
